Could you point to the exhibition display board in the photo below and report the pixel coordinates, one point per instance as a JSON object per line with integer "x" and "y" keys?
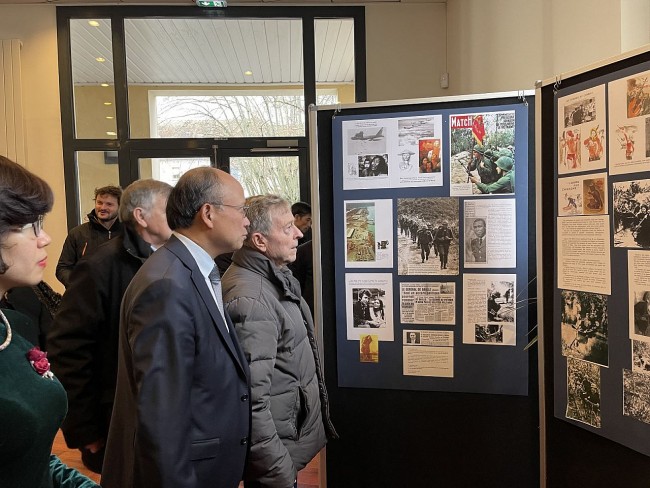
{"x": 426, "y": 259}
{"x": 595, "y": 230}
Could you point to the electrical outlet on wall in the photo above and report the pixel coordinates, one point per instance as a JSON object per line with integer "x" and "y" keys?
{"x": 444, "y": 80}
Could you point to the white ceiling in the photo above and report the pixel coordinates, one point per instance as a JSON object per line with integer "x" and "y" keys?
{"x": 213, "y": 51}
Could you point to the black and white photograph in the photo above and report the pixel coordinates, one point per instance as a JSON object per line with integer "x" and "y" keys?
{"x": 632, "y": 214}
{"x": 366, "y": 140}
{"x": 583, "y": 392}
{"x": 642, "y": 313}
{"x": 585, "y": 326}
{"x": 368, "y": 309}
{"x": 428, "y": 236}
{"x": 412, "y": 337}
{"x": 641, "y": 357}
{"x": 580, "y": 112}
{"x": 491, "y": 333}
{"x": 476, "y": 240}
{"x": 373, "y": 165}
{"x": 636, "y": 395}
{"x": 369, "y": 305}
{"x": 501, "y": 306}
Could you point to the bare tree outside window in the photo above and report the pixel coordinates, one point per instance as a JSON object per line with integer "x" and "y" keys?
{"x": 235, "y": 115}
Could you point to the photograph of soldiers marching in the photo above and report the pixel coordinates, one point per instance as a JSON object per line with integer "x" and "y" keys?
{"x": 427, "y": 236}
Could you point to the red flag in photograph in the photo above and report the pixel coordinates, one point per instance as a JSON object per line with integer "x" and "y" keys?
{"x": 478, "y": 129}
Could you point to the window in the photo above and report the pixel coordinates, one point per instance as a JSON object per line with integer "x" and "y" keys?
{"x": 200, "y": 87}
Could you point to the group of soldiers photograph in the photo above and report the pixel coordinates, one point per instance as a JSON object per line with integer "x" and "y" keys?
{"x": 426, "y": 237}
{"x": 492, "y": 170}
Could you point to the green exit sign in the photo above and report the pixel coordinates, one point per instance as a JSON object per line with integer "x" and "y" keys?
{"x": 211, "y": 3}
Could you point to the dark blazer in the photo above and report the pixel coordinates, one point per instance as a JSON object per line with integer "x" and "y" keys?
{"x": 181, "y": 417}
{"x": 83, "y": 341}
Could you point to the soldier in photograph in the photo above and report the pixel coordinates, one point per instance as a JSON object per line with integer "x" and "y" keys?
{"x": 425, "y": 241}
{"x": 442, "y": 239}
{"x": 506, "y": 181}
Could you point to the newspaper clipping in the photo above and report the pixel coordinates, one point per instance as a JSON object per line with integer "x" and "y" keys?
{"x": 581, "y": 131}
{"x": 428, "y": 303}
{"x": 478, "y": 142}
{"x": 490, "y": 233}
{"x": 583, "y": 252}
{"x": 629, "y": 124}
{"x": 369, "y": 305}
{"x": 368, "y": 240}
{"x": 428, "y": 353}
{"x": 582, "y": 195}
{"x": 489, "y": 309}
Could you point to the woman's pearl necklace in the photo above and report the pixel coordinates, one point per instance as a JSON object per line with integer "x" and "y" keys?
{"x": 7, "y": 341}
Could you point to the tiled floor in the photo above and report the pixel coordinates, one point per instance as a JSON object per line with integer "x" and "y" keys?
{"x": 307, "y": 478}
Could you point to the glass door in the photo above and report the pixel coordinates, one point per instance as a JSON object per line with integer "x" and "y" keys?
{"x": 168, "y": 165}
{"x": 282, "y": 172}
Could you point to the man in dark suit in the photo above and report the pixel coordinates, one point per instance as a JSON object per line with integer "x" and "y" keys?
{"x": 181, "y": 417}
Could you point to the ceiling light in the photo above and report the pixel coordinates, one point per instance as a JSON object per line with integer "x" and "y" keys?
{"x": 100, "y": 60}
{"x": 107, "y": 103}
{"x": 94, "y": 23}
{"x": 111, "y": 133}
{"x": 248, "y": 73}
{"x": 104, "y": 84}
{"x": 110, "y": 117}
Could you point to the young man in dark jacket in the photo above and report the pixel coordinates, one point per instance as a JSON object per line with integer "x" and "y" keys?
{"x": 83, "y": 341}
{"x": 276, "y": 332}
{"x": 102, "y": 225}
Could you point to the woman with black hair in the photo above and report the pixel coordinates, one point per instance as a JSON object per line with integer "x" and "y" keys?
{"x": 32, "y": 401}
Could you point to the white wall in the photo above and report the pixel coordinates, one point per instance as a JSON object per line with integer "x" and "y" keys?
{"x": 35, "y": 25}
{"x": 405, "y": 50}
{"x": 504, "y": 45}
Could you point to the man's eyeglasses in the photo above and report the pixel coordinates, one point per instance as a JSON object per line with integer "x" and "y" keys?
{"x": 37, "y": 226}
{"x": 242, "y": 209}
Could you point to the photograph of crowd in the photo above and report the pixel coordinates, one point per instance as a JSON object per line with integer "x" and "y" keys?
{"x": 428, "y": 235}
{"x": 580, "y": 112}
{"x": 584, "y": 326}
{"x": 583, "y": 392}
{"x": 631, "y": 214}
{"x": 636, "y": 395}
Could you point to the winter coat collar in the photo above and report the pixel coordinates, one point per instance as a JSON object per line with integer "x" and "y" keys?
{"x": 135, "y": 245}
{"x": 282, "y": 277}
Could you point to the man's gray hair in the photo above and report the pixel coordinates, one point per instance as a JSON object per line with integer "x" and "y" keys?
{"x": 141, "y": 193}
{"x": 259, "y": 213}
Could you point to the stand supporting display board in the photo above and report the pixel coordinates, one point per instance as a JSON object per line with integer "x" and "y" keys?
{"x": 424, "y": 255}
{"x": 593, "y": 165}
